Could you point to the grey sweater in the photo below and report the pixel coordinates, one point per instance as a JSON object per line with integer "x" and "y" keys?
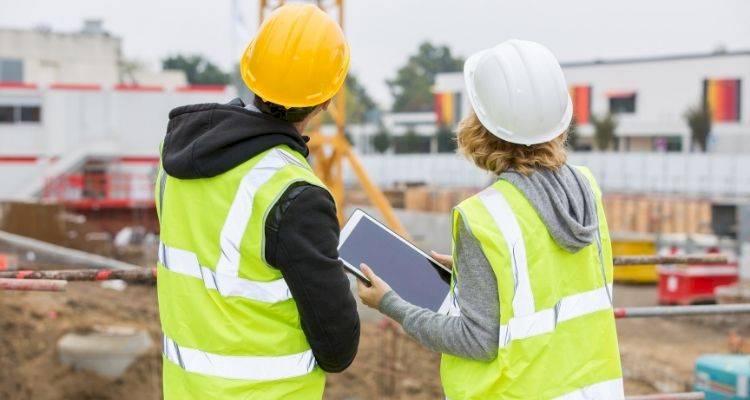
{"x": 565, "y": 203}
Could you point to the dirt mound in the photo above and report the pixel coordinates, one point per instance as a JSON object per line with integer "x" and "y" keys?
{"x": 658, "y": 355}
{"x": 33, "y": 322}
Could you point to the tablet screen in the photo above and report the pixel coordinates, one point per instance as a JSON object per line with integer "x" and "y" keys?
{"x": 410, "y": 273}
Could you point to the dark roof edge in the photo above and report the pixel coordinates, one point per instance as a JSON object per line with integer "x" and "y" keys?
{"x": 674, "y": 57}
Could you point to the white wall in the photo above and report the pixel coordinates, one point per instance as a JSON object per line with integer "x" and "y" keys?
{"x": 422, "y": 123}
{"x": 665, "y": 89}
{"x": 63, "y": 57}
{"x": 129, "y": 122}
{"x": 85, "y": 123}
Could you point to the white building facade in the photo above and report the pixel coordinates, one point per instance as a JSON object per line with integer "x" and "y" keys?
{"x": 650, "y": 96}
{"x": 42, "y": 56}
{"x": 88, "y": 56}
{"x": 50, "y": 132}
{"x": 78, "y": 123}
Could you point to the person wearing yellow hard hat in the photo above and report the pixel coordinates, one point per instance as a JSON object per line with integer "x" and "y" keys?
{"x": 253, "y": 299}
{"x": 529, "y": 314}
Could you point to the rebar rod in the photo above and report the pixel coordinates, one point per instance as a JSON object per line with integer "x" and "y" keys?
{"x": 130, "y": 275}
{"x": 685, "y": 259}
{"x": 148, "y": 275}
{"x": 670, "y": 396}
{"x": 63, "y": 253}
{"x": 45, "y": 285}
{"x": 676, "y": 311}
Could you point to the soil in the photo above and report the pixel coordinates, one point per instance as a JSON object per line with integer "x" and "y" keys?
{"x": 658, "y": 355}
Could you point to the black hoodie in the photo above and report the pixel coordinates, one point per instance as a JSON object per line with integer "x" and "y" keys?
{"x": 302, "y": 231}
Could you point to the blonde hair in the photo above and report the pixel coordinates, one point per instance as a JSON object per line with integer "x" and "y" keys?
{"x": 493, "y": 154}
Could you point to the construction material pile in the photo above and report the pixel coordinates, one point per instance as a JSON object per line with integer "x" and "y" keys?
{"x": 625, "y": 213}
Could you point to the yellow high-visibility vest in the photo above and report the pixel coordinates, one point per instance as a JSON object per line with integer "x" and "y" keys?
{"x": 557, "y": 336}
{"x": 231, "y": 327}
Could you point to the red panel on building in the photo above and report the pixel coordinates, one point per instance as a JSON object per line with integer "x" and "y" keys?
{"x": 581, "y": 98}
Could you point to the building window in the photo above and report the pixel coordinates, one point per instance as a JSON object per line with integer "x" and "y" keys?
{"x": 11, "y": 70}
{"x": 30, "y": 114}
{"x": 622, "y": 103}
{"x": 7, "y": 114}
{"x": 10, "y": 114}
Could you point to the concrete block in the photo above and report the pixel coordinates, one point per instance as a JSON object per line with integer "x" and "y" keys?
{"x": 107, "y": 351}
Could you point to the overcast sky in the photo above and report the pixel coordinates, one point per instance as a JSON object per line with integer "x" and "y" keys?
{"x": 383, "y": 33}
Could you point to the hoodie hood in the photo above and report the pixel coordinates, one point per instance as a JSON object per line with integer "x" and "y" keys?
{"x": 564, "y": 201}
{"x": 205, "y": 140}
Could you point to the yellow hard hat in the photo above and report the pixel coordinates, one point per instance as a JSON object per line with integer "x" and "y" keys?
{"x": 298, "y": 58}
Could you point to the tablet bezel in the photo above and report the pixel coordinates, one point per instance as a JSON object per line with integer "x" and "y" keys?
{"x": 353, "y": 221}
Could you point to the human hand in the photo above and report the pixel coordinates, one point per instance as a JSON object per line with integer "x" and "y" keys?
{"x": 444, "y": 259}
{"x": 371, "y": 295}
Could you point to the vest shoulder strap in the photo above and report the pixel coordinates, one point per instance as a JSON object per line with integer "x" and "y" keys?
{"x": 592, "y": 181}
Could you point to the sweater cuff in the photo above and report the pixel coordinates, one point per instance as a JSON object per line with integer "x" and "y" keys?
{"x": 393, "y": 306}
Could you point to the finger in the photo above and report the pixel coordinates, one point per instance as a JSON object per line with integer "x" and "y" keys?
{"x": 370, "y": 274}
{"x": 442, "y": 258}
{"x": 367, "y": 271}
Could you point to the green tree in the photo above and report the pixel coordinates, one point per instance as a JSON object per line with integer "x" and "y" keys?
{"x": 412, "y": 87}
{"x": 604, "y": 131}
{"x": 698, "y": 119}
{"x": 359, "y": 104}
{"x": 381, "y": 141}
{"x": 410, "y": 142}
{"x": 197, "y": 69}
{"x": 446, "y": 140}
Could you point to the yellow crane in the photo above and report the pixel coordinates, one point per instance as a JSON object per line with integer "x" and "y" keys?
{"x": 329, "y": 151}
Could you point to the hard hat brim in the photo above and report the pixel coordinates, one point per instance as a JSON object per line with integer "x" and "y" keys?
{"x": 470, "y": 67}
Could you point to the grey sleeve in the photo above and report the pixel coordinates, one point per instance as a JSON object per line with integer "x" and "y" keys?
{"x": 473, "y": 334}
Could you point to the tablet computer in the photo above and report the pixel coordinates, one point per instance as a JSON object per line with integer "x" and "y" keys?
{"x": 413, "y": 274}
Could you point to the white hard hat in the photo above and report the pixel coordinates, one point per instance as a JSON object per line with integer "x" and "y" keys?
{"x": 518, "y": 91}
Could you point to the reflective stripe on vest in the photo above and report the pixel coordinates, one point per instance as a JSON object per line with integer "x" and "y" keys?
{"x": 612, "y": 389}
{"x": 242, "y": 208}
{"x": 505, "y": 220}
{"x": 544, "y": 321}
{"x": 239, "y": 367}
{"x": 450, "y": 305}
{"x": 526, "y": 321}
{"x": 186, "y": 263}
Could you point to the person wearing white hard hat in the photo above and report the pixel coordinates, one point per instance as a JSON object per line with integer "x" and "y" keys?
{"x": 529, "y": 313}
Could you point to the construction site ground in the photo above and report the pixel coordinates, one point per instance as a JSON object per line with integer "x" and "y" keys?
{"x": 658, "y": 354}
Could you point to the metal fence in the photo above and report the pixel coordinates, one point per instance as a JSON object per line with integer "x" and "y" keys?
{"x": 693, "y": 174}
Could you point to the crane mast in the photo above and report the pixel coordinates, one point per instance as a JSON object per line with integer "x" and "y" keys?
{"x": 329, "y": 151}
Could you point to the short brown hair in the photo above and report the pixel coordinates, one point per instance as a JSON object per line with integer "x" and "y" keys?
{"x": 496, "y": 155}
